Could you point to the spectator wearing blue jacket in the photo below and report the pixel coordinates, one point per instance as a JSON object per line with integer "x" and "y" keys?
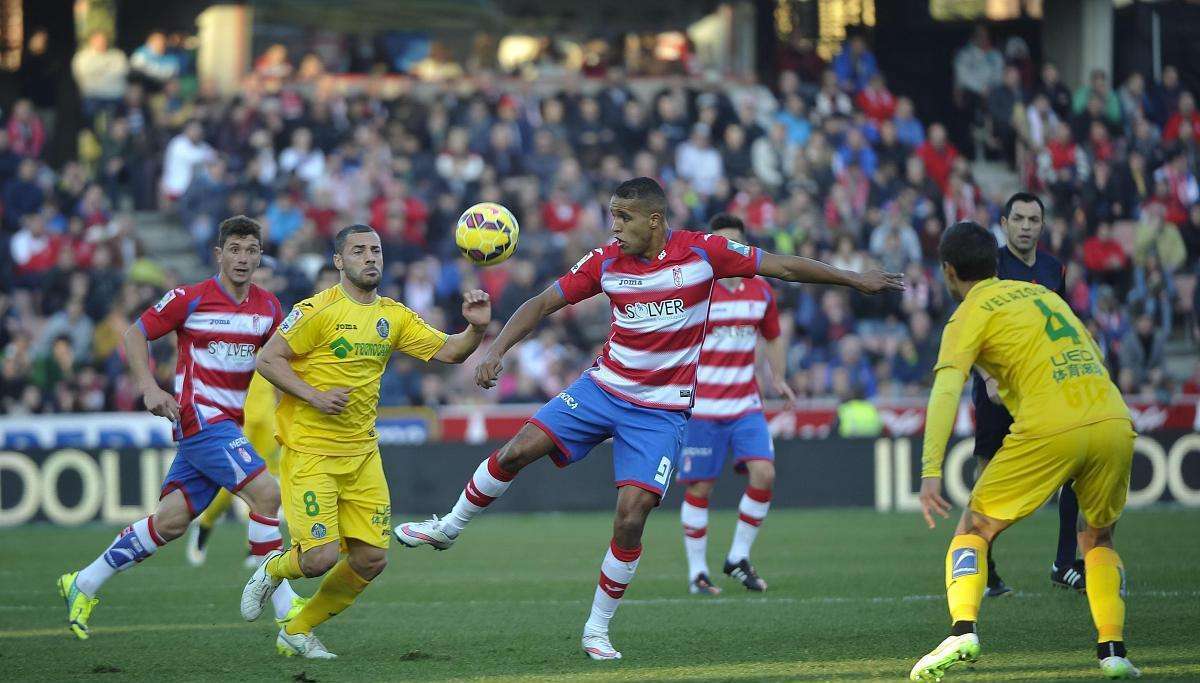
{"x": 854, "y": 65}
{"x": 152, "y": 63}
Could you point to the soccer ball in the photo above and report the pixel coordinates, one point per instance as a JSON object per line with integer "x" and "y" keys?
{"x": 486, "y": 234}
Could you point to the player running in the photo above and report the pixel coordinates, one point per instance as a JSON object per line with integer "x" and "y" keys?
{"x": 220, "y": 325}
{"x": 261, "y": 399}
{"x": 327, "y": 358}
{"x": 727, "y": 418}
{"x": 640, "y": 390}
{"x": 1069, "y": 423}
{"x": 1020, "y": 259}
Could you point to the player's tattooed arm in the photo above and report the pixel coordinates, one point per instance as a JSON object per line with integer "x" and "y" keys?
{"x": 477, "y": 309}
{"x": 137, "y": 354}
{"x": 522, "y": 322}
{"x": 273, "y": 364}
{"x": 800, "y": 269}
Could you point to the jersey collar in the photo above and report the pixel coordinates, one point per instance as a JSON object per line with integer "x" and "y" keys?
{"x": 220, "y": 287}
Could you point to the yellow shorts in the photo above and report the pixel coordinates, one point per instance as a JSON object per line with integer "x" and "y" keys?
{"x": 1026, "y": 472}
{"x": 333, "y": 498}
{"x": 261, "y": 433}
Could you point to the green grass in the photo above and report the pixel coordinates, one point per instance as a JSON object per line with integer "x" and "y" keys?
{"x": 854, "y": 595}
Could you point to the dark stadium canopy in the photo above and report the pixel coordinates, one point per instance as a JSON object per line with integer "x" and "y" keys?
{"x": 591, "y": 17}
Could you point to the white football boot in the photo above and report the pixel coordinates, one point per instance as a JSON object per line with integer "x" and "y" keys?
{"x": 259, "y": 588}
{"x": 429, "y": 532}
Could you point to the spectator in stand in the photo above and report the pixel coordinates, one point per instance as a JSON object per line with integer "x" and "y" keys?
{"x": 978, "y": 67}
{"x": 1185, "y": 115}
{"x": 1055, "y": 91}
{"x": 301, "y": 159}
{"x": 273, "y": 64}
{"x": 1098, "y": 86}
{"x": 1003, "y": 102}
{"x": 1136, "y": 102}
{"x": 1142, "y": 355}
{"x": 856, "y": 151}
{"x": 794, "y": 117}
{"x": 561, "y": 214}
{"x": 909, "y": 129}
{"x": 152, "y": 64}
{"x": 854, "y": 65}
{"x": 938, "y": 155}
{"x": 71, "y": 324}
{"x": 34, "y": 250}
{"x": 698, "y": 162}
{"x": 1159, "y": 240}
{"x": 22, "y": 195}
{"x": 183, "y": 155}
{"x": 1165, "y": 96}
{"x": 768, "y": 156}
{"x": 1104, "y": 257}
{"x": 831, "y": 99}
{"x": 735, "y": 153}
{"x": 1176, "y": 188}
{"x": 1062, "y": 161}
{"x": 26, "y": 135}
{"x": 100, "y": 72}
{"x": 876, "y": 101}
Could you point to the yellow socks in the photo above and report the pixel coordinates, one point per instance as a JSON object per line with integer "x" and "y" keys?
{"x": 340, "y": 588}
{"x": 286, "y": 566}
{"x": 215, "y": 509}
{"x": 1105, "y": 584}
{"x": 966, "y": 576}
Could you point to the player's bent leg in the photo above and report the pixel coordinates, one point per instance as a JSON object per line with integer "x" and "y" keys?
{"x": 1105, "y": 592}
{"x": 616, "y": 571}
{"x": 490, "y": 481}
{"x": 262, "y": 496}
{"x": 134, "y": 544}
{"x": 966, "y": 577}
{"x": 1067, "y": 571}
{"x": 995, "y": 585}
{"x": 752, "y": 510}
{"x": 693, "y": 514}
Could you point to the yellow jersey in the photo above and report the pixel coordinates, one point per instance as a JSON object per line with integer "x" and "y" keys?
{"x": 1050, "y": 372}
{"x": 339, "y": 342}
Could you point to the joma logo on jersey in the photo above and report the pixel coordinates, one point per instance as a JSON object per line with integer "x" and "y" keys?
{"x": 629, "y": 282}
{"x": 346, "y": 326}
{"x": 231, "y": 349}
{"x": 653, "y": 309}
{"x": 340, "y": 347}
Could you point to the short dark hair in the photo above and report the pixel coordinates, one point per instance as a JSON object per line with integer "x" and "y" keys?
{"x": 726, "y": 221}
{"x": 971, "y": 249}
{"x": 645, "y": 190}
{"x": 238, "y": 226}
{"x": 1023, "y": 197}
{"x": 339, "y": 240}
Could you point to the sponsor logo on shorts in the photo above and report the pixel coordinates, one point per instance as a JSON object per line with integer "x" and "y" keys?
{"x": 382, "y": 516}
{"x": 383, "y": 328}
{"x": 318, "y": 530}
{"x": 240, "y": 441}
{"x": 963, "y": 562}
{"x": 569, "y": 400}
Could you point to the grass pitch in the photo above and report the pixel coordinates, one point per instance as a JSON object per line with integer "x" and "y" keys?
{"x": 853, "y": 595}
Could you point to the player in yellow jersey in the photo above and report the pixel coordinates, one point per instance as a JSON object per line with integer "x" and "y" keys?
{"x": 261, "y": 399}
{"x": 1069, "y": 422}
{"x": 327, "y": 358}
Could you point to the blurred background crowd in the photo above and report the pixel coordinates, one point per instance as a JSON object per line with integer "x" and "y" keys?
{"x": 825, "y": 161}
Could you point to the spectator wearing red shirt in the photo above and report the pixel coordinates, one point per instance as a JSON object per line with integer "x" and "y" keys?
{"x": 34, "y": 250}
{"x": 938, "y": 155}
{"x": 396, "y": 200}
{"x": 755, "y": 207}
{"x": 1187, "y": 112}
{"x": 1103, "y": 254}
{"x": 560, "y": 213}
{"x": 876, "y": 101}
{"x": 26, "y": 135}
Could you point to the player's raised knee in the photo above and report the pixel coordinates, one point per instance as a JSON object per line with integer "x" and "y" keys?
{"x": 172, "y": 517}
{"x": 317, "y": 561}
{"x": 526, "y": 447}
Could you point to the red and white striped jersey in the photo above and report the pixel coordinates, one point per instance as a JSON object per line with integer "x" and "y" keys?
{"x": 659, "y": 311}
{"x": 725, "y": 384}
{"x": 218, "y": 340}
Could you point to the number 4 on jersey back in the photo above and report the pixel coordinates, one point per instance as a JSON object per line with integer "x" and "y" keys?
{"x": 1057, "y": 326}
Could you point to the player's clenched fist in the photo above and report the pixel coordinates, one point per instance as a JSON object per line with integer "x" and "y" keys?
{"x": 477, "y": 307}
{"x": 488, "y": 371}
{"x": 331, "y": 401}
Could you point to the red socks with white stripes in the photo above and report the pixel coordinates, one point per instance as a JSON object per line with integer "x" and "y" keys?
{"x": 752, "y": 510}
{"x": 694, "y": 515}
{"x": 264, "y": 536}
{"x": 615, "y": 574}
{"x": 489, "y": 482}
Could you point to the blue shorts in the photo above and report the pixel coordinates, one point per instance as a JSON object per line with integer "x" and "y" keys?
{"x": 646, "y": 441}
{"x": 219, "y": 457}
{"x": 710, "y": 443}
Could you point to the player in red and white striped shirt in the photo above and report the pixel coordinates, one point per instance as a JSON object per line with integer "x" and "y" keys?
{"x": 728, "y": 419}
{"x": 220, "y": 325}
{"x": 641, "y": 388}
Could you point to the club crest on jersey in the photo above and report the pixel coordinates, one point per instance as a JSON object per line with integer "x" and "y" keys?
{"x": 318, "y": 530}
{"x": 738, "y": 247}
{"x": 293, "y": 318}
{"x": 166, "y": 299}
{"x": 245, "y": 455}
{"x": 382, "y": 327}
{"x": 677, "y": 274}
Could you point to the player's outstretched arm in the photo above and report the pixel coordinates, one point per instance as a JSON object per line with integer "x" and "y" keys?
{"x": 137, "y": 354}
{"x": 274, "y": 364}
{"x": 522, "y": 322}
{"x": 477, "y": 309}
{"x": 801, "y": 269}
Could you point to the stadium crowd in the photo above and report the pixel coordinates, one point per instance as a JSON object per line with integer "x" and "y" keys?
{"x": 827, "y": 163}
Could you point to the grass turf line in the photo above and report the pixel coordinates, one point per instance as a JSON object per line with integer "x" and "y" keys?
{"x": 854, "y": 595}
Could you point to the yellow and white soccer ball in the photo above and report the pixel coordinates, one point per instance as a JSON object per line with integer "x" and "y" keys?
{"x": 486, "y": 234}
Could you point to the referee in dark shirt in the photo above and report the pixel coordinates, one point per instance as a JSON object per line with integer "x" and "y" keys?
{"x": 1020, "y": 259}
